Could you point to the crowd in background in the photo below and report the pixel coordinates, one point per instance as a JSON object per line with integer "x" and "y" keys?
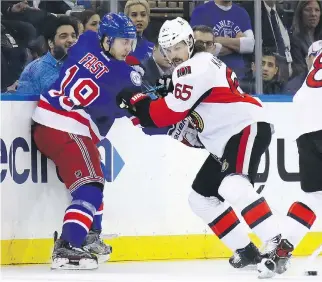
{"x": 35, "y": 36}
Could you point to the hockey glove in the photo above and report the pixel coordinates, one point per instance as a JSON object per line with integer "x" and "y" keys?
{"x": 164, "y": 85}
{"x": 129, "y": 100}
{"x": 185, "y": 133}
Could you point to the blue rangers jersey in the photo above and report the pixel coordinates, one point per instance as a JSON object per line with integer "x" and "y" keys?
{"x": 83, "y": 99}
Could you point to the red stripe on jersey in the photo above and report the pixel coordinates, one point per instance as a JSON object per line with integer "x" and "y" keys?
{"x": 163, "y": 116}
{"x": 73, "y": 115}
{"x": 101, "y": 207}
{"x": 79, "y": 217}
{"x": 224, "y": 95}
{"x": 242, "y": 149}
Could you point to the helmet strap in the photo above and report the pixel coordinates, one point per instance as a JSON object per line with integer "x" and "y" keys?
{"x": 110, "y": 42}
{"x": 106, "y": 52}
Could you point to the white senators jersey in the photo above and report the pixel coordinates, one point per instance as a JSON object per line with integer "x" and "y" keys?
{"x": 207, "y": 91}
{"x": 308, "y": 101}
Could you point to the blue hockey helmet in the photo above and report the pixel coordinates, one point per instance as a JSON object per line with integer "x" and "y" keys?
{"x": 114, "y": 25}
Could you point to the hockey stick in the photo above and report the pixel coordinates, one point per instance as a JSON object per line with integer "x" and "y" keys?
{"x": 153, "y": 89}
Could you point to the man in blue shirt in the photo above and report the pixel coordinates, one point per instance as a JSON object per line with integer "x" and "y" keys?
{"x": 60, "y": 34}
{"x": 232, "y": 27}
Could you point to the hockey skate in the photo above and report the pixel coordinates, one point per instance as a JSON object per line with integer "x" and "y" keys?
{"x": 66, "y": 256}
{"x": 249, "y": 255}
{"x": 95, "y": 245}
{"x": 276, "y": 256}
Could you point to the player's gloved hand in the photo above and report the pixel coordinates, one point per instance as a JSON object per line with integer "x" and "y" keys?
{"x": 164, "y": 85}
{"x": 129, "y": 100}
{"x": 185, "y": 133}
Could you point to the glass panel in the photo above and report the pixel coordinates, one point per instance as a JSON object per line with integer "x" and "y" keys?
{"x": 287, "y": 30}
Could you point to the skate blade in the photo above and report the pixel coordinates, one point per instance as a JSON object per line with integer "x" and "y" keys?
{"x": 250, "y": 267}
{"x": 83, "y": 264}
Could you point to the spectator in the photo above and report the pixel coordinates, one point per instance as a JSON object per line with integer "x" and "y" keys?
{"x": 13, "y": 58}
{"x": 274, "y": 34}
{"x": 24, "y": 32}
{"x": 206, "y": 37}
{"x": 79, "y": 25}
{"x": 232, "y": 28}
{"x": 271, "y": 85}
{"x": 296, "y": 82}
{"x": 59, "y": 7}
{"x": 60, "y": 34}
{"x": 155, "y": 66}
{"x": 307, "y": 28}
{"x": 139, "y": 12}
{"x": 21, "y": 11}
{"x": 89, "y": 19}
{"x": 38, "y": 47}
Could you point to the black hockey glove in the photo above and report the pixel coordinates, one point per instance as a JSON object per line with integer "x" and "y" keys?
{"x": 138, "y": 104}
{"x": 164, "y": 85}
{"x": 126, "y": 99}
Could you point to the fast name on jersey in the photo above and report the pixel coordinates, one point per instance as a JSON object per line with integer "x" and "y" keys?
{"x": 94, "y": 65}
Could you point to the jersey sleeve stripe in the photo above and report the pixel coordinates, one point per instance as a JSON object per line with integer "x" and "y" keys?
{"x": 72, "y": 115}
{"x": 163, "y": 116}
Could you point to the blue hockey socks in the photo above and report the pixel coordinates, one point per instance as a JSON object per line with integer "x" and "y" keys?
{"x": 98, "y": 217}
{"x": 79, "y": 215}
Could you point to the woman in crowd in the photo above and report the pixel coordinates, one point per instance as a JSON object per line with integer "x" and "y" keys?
{"x": 306, "y": 28}
{"x": 139, "y": 12}
{"x": 89, "y": 19}
{"x": 79, "y": 25}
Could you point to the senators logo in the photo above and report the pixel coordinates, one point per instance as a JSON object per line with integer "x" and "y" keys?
{"x": 196, "y": 121}
{"x": 183, "y": 71}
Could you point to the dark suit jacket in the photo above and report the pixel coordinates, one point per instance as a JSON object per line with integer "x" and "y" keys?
{"x": 294, "y": 84}
{"x": 35, "y": 17}
{"x": 56, "y": 7}
{"x": 7, "y": 5}
{"x": 267, "y": 31}
{"x": 300, "y": 44}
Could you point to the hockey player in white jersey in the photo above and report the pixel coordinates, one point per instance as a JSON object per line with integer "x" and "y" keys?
{"x": 307, "y": 104}
{"x": 235, "y": 130}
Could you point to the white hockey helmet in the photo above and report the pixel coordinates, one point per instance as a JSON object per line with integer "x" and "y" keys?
{"x": 175, "y": 31}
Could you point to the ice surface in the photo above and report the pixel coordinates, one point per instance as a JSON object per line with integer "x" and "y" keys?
{"x": 157, "y": 271}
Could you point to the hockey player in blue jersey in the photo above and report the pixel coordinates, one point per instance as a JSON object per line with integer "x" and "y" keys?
{"x": 73, "y": 116}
